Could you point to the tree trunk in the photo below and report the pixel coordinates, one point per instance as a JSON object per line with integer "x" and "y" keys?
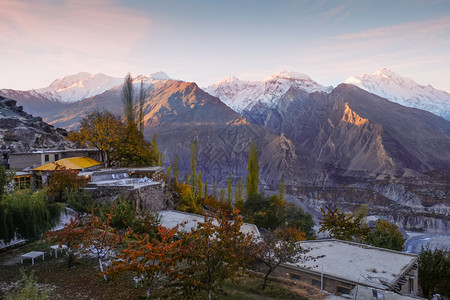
{"x": 101, "y": 269}
{"x": 267, "y": 277}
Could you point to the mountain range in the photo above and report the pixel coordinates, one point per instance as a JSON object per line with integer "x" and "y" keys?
{"x": 306, "y": 133}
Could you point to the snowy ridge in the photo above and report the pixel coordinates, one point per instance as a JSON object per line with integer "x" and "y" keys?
{"x": 404, "y": 91}
{"x": 77, "y": 87}
{"x": 243, "y": 95}
{"x": 84, "y": 85}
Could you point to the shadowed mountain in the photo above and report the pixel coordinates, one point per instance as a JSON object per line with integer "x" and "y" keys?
{"x": 21, "y": 132}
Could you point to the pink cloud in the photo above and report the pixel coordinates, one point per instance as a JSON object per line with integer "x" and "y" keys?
{"x": 71, "y": 25}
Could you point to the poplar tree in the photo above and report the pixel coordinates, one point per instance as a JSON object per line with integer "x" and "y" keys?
{"x": 214, "y": 194}
{"x": 282, "y": 190}
{"x": 230, "y": 190}
{"x": 142, "y": 92}
{"x": 158, "y": 157}
{"x": 239, "y": 195}
{"x": 206, "y": 189}
{"x": 169, "y": 174}
{"x": 175, "y": 167}
{"x": 128, "y": 99}
{"x": 222, "y": 195}
{"x": 200, "y": 185}
{"x": 194, "y": 166}
{"x": 253, "y": 171}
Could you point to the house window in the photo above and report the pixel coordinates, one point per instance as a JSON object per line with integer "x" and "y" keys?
{"x": 46, "y": 157}
{"x": 22, "y": 182}
{"x": 411, "y": 286}
{"x": 316, "y": 282}
{"x": 342, "y": 290}
{"x": 56, "y": 157}
{"x": 295, "y": 276}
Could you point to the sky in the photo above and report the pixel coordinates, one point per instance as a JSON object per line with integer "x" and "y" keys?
{"x": 206, "y": 41}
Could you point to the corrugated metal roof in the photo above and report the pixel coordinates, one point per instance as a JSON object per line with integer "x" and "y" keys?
{"x": 72, "y": 163}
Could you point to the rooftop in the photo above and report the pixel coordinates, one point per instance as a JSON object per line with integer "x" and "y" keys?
{"x": 358, "y": 263}
{"x": 171, "y": 218}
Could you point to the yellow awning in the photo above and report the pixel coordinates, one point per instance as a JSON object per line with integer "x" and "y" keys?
{"x": 71, "y": 163}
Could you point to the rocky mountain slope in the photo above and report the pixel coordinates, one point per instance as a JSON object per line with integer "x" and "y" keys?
{"x": 307, "y": 133}
{"x": 404, "y": 91}
{"x": 21, "y": 132}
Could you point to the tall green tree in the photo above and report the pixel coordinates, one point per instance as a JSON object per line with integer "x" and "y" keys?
{"x": 230, "y": 190}
{"x": 200, "y": 185}
{"x": 27, "y": 215}
{"x": 282, "y": 190}
{"x": 253, "y": 171}
{"x": 239, "y": 195}
{"x": 158, "y": 157}
{"x": 222, "y": 195}
{"x": 206, "y": 189}
{"x": 214, "y": 193}
{"x": 140, "y": 119}
{"x": 194, "y": 166}
{"x": 175, "y": 167}
{"x": 434, "y": 272}
{"x": 169, "y": 173}
{"x": 128, "y": 99}
{"x": 386, "y": 235}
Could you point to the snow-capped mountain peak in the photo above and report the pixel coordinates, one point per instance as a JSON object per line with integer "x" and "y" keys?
{"x": 288, "y": 75}
{"x": 387, "y": 84}
{"x": 159, "y": 76}
{"x": 78, "y": 87}
{"x": 243, "y": 95}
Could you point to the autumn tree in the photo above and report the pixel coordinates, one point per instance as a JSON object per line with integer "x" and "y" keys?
{"x": 193, "y": 174}
{"x": 239, "y": 195}
{"x": 175, "y": 167}
{"x": 135, "y": 150}
{"x": 92, "y": 235}
{"x": 282, "y": 246}
{"x": 206, "y": 189}
{"x": 101, "y": 130}
{"x": 157, "y": 156}
{"x": 200, "y": 185}
{"x": 342, "y": 226}
{"x": 386, "y": 235}
{"x": 282, "y": 190}
{"x": 253, "y": 171}
{"x": 153, "y": 259}
{"x": 230, "y": 190}
{"x": 214, "y": 252}
{"x": 63, "y": 181}
{"x": 214, "y": 192}
{"x": 222, "y": 195}
{"x": 169, "y": 173}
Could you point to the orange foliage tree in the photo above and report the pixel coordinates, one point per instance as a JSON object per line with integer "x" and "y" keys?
{"x": 282, "y": 246}
{"x": 151, "y": 259}
{"x": 91, "y": 236}
{"x": 213, "y": 252}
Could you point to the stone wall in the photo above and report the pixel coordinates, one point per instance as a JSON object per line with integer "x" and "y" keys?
{"x": 147, "y": 198}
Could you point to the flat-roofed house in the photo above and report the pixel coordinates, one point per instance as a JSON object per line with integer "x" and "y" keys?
{"x": 343, "y": 265}
{"x": 172, "y": 218}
